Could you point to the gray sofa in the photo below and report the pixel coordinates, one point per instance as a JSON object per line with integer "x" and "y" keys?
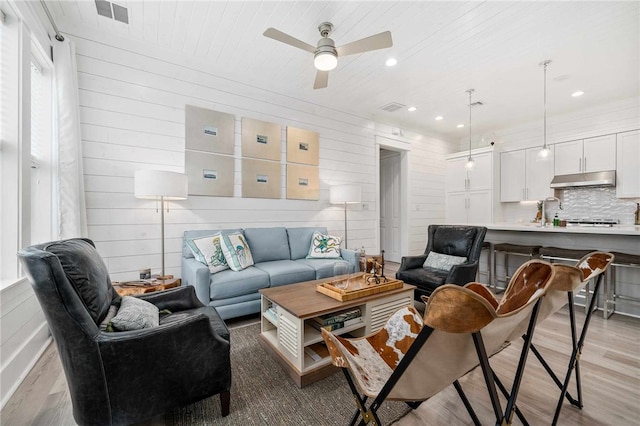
{"x": 279, "y": 256}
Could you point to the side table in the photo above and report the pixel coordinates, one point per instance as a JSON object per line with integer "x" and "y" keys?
{"x": 128, "y": 288}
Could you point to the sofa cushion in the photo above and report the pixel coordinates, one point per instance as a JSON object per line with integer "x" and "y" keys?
{"x": 324, "y": 246}
{"x": 236, "y": 251}
{"x": 424, "y": 278}
{"x": 208, "y": 250}
{"x": 268, "y": 244}
{"x": 300, "y": 240}
{"x": 283, "y": 272}
{"x": 442, "y": 261}
{"x": 324, "y": 267}
{"x": 191, "y": 235}
{"x": 452, "y": 240}
{"x": 230, "y": 283}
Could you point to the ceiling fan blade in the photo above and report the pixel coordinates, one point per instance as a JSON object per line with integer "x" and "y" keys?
{"x": 322, "y": 80}
{"x": 287, "y": 39}
{"x": 374, "y": 42}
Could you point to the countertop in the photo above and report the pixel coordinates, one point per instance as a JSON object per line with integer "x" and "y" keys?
{"x": 532, "y": 227}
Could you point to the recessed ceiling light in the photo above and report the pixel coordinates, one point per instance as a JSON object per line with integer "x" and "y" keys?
{"x": 391, "y": 62}
{"x": 411, "y": 109}
{"x": 460, "y": 126}
{"x": 578, "y": 93}
{"x": 439, "y": 117}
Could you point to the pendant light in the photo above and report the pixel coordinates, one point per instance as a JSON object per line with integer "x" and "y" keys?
{"x": 545, "y": 153}
{"x": 470, "y": 162}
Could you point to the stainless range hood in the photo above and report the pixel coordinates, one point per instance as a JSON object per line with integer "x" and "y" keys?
{"x": 607, "y": 178}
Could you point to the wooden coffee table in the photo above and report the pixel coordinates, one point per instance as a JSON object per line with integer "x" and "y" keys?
{"x": 286, "y": 336}
{"x": 124, "y": 289}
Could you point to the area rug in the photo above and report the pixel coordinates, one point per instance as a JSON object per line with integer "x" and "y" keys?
{"x": 262, "y": 394}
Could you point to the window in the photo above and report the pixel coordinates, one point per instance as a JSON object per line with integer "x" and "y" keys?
{"x": 26, "y": 143}
{"x": 41, "y": 153}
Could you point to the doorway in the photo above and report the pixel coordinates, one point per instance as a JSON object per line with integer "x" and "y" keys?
{"x": 390, "y": 233}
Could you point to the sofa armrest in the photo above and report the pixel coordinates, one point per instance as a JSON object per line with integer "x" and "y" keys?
{"x": 352, "y": 257}
{"x": 197, "y": 275}
{"x": 412, "y": 262}
{"x": 462, "y": 274}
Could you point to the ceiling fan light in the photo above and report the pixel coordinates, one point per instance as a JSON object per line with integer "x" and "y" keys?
{"x": 325, "y": 61}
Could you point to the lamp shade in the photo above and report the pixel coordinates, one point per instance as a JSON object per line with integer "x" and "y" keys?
{"x": 339, "y": 194}
{"x": 160, "y": 183}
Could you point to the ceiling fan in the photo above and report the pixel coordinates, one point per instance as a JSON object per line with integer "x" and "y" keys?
{"x": 326, "y": 53}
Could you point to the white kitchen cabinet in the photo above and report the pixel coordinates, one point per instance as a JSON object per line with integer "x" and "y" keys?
{"x": 470, "y": 193}
{"x": 539, "y": 174}
{"x": 585, "y": 155}
{"x": 457, "y": 174}
{"x": 628, "y": 171}
{"x": 512, "y": 176}
{"x": 599, "y": 154}
{"x": 523, "y": 177}
{"x": 480, "y": 177}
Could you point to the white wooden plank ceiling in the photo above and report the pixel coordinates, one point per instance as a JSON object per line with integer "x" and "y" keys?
{"x": 442, "y": 48}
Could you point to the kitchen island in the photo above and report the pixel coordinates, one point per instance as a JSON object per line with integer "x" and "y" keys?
{"x": 618, "y": 238}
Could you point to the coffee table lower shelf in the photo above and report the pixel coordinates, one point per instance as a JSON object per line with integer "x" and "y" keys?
{"x": 318, "y": 371}
{"x": 286, "y": 334}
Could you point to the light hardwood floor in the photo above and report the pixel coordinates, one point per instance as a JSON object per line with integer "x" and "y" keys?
{"x": 610, "y": 378}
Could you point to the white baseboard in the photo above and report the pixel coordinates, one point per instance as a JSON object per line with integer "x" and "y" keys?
{"x": 16, "y": 369}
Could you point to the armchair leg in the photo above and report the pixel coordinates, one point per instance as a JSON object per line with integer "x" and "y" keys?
{"x": 225, "y": 402}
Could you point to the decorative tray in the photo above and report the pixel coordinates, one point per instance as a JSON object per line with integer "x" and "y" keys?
{"x": 359, "y": 285}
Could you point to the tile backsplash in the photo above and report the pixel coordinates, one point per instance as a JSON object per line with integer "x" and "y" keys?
{"x": 577, "y": 203}
{"x": 594, "y": 203}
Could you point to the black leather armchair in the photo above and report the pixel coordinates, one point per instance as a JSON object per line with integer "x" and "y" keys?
{"x": 453, "y": 240}
{"x": 129, "y": 376}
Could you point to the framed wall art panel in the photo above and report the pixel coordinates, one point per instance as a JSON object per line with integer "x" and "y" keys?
{"x": 302, "y": 182}
{"x": 261, "y": 139}
{"x": 261, "y": 178}
{"x": 209, "y": 174}
{"x": 303, "y": 146}
{"x": 209, "y": 131}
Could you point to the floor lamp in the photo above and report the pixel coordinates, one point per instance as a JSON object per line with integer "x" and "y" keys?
{"x": 162, "y": 186}
{"x": 345, "y": 194}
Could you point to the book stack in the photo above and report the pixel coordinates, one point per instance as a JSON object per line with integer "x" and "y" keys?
{"x": 337, "y": 320}
{"x": 272, "y": 313}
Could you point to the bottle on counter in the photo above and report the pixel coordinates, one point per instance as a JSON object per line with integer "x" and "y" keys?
{"x": 637, "y": 222}
{"x": 556, "y": 220}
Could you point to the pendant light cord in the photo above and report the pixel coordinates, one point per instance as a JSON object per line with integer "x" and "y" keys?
{"x": 545, "y": 104}
{"x": 544, "y": 64}
{"x": 470, "y": 91}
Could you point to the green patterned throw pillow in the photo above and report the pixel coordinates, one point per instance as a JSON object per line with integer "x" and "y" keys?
{"x": 324, "y": 247}
{"x": 236, "y": 251}
{"x": 208, "y": 250}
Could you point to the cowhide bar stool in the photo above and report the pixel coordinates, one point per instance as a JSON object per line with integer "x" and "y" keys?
{"x": 558, "y": 254}
{"x": 511, "y": 249}
{"x": 621, "y": 260}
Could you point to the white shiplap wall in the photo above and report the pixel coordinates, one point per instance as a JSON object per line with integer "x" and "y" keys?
{"x": 132, "y": 117}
